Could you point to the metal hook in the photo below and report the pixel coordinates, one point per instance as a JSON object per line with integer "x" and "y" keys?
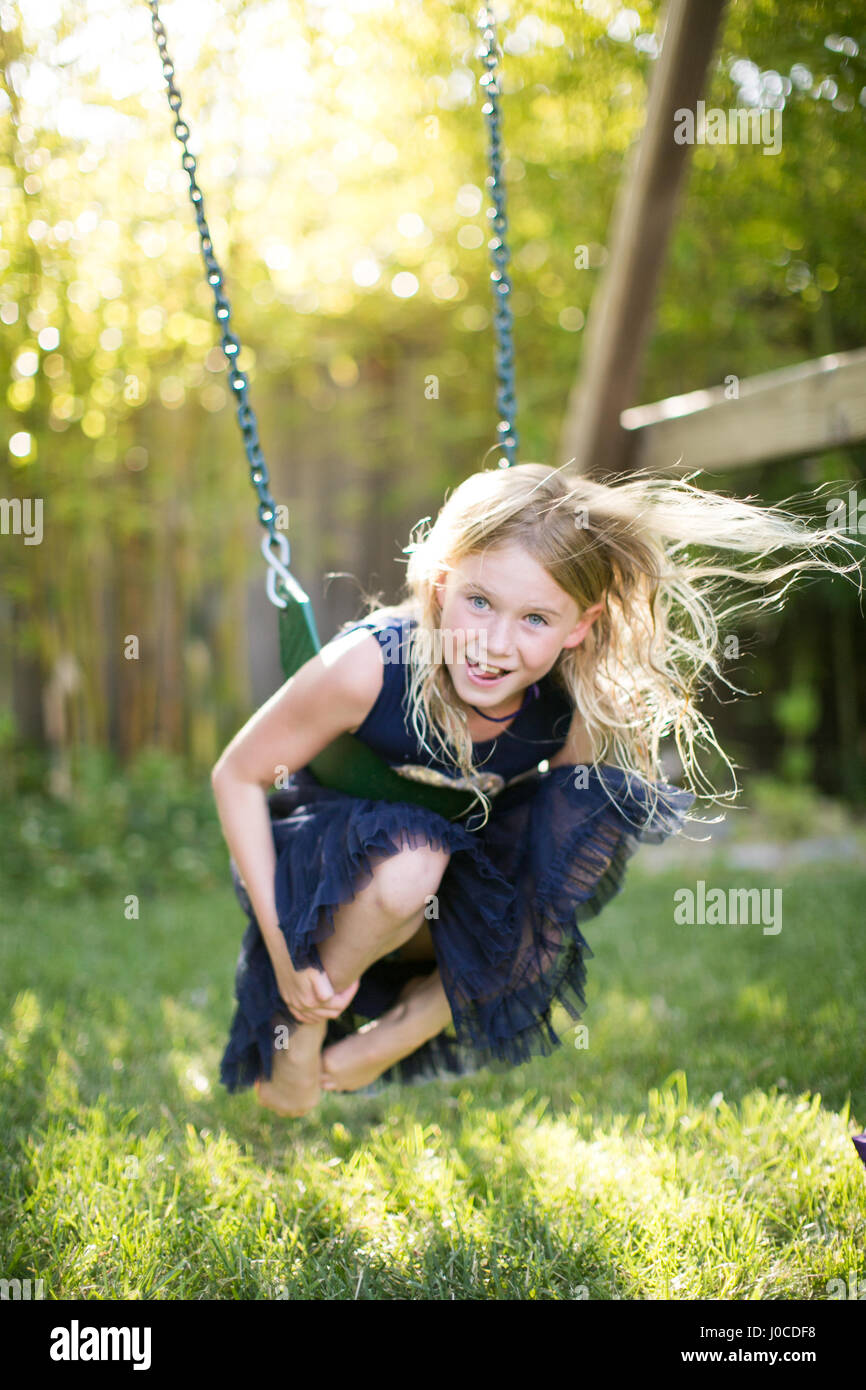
{"x": 279, "y": 567}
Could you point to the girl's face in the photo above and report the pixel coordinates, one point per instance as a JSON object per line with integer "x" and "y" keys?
{"x": 501, "y": 609}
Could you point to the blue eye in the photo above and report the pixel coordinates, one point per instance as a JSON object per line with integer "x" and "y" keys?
{"x": 472, "y": 598}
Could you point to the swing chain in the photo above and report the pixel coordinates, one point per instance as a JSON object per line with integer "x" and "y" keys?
{"x": 259, "y": 476}
{"x": 499, "y": 251}
{"x": 502, "y": 314}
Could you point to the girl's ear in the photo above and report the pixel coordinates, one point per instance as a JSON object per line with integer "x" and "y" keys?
{"x": 439, "y": 589}
{"x": 584, "y": 623}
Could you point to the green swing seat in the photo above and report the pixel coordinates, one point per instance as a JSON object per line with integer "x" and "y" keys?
{"x": 347, "y": 764}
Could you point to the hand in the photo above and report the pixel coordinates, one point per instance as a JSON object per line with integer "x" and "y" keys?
{"x": 310, "y": 994}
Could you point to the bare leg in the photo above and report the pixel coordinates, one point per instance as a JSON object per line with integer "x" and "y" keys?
{"x": 421, "y": 1012}
{"x": 385, "y": 913}
{"x": 293, "y": 1088}
{"x": 420, "y": 946}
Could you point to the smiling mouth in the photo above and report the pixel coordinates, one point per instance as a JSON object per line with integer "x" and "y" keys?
{"x": 487, "y": 673}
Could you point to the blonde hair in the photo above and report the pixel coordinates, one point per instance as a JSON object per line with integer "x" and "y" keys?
{"x": 637, "y": 546}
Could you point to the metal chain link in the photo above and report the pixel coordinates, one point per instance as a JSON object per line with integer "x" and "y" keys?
{"x": 490, "y": 53}
{"x": 502, "y": 316}
{"x": 278, "y": 567}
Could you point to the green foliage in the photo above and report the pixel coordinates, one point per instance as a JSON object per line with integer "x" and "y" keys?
{"x": 797, "y": 711}
{"x": 780, "y": 811}
{"x": 132, "y": 828}
{"x": 321, "y": 186}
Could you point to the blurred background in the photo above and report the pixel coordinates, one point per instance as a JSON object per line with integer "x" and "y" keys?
{"x": 342, "y": 154}
{"x": 697, "y": 1144}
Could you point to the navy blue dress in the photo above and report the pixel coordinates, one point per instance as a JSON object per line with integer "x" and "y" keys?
{"x": 507, "y": 937}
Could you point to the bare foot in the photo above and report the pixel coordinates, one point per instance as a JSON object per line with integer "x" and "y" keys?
{"x": 356, "y": 1061}
{"x": 294, "y": 1087}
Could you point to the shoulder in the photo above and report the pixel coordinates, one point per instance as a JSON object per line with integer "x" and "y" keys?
{"x": 359, "y": 657}
{"x": 355, "y": 667}
{"x": 397, "y": 619}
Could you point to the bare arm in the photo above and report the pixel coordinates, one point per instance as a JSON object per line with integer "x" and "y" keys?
{"x": 331, "y": 694}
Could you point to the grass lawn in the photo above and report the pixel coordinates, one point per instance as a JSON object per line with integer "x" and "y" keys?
{"x": 698, "y": 1147}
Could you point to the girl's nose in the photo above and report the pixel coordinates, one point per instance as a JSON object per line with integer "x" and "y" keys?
{"x": 499, "y": 642}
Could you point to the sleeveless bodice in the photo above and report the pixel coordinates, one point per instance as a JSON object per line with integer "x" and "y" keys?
{"x": 538, "y": 731}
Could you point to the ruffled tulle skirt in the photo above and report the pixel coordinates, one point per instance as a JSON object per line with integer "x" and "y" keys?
{"x": 510, "y": 905}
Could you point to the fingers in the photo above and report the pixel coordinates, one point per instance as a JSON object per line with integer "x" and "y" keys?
{"x": 322, "y": 988}
{"x": 347, "y": 994}
{"x": 316, "y": 1013}
{"x": 322, "y": 1002}
{"x": 330, "y": 1004}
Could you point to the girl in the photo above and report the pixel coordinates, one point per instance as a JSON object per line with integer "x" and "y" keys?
{"x": 554, "y": 631}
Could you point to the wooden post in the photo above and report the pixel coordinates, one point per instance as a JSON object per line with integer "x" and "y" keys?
{"x": 643, "y": 217}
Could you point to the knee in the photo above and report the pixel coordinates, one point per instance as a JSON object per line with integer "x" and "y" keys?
{"x": 404, "y": 881}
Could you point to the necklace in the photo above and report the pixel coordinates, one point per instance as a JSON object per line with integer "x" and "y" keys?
{"x": 531, "y": 692}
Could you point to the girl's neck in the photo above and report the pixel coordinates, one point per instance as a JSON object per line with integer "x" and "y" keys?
{"x": 482, "y": 728}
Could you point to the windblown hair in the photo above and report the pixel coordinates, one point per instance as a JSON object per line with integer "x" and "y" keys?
{"x": 644, "y": 548}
